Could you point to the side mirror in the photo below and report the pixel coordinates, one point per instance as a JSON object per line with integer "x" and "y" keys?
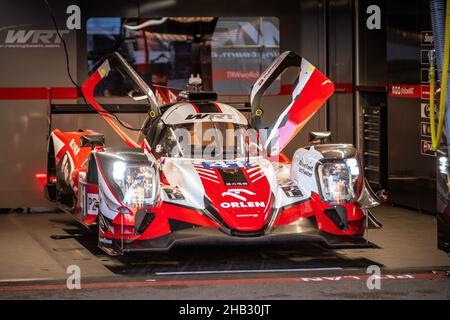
{"x": 319, "y": 137}
{"x": 368, "y": 198}
{"x": 92, "y": 140}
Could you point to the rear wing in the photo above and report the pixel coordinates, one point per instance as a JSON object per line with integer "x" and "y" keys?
{"x": 310, "y": 92}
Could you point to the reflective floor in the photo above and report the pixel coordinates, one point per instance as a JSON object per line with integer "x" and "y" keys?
{"x": 31, "y": 258}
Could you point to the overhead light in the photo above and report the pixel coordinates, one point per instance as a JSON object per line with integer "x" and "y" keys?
{"x": 148, "y": 23}
{"x": 157, "y": 5}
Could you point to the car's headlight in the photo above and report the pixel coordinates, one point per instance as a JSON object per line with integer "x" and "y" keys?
{"x": 340, "y": 181}
{"x": 138, "y": 183}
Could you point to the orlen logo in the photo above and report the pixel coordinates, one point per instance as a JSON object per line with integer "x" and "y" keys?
{"x": 237, "y": 193}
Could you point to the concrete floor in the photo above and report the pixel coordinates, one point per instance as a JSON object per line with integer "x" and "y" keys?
{"x": 33, "y": 266}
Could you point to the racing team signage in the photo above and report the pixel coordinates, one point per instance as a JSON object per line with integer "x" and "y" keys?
{"x": 413, "y": 91}
{"x": 420, "y": 91}
{"x": 426, "y": 44}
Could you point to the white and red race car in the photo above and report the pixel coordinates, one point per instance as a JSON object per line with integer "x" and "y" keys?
{"x": 199, "y": 170}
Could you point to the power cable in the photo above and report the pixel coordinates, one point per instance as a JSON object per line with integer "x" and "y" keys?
{"x": 52, "y": 16}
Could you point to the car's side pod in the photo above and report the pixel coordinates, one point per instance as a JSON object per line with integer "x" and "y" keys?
{"x": 66, "y": 156}
{"x": 368, "y": 198}
{"x": 307, "y": 171}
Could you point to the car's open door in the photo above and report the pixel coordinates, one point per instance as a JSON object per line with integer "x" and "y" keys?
{"x": 309, "y": 94}
{"x": 136, "y": 87}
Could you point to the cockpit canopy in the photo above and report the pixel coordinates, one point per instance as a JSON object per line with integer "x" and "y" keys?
{"x": 205, "y": 140}
{"x": 188, "y": 112}
{"x": 205, "y": 130}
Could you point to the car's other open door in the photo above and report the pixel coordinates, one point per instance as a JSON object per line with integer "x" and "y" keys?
{"x": 141, "y": 91}
{"x": 309, "y": 94}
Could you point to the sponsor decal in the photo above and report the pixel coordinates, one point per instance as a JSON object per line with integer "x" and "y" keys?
{"x": 292, "y": 191}
{"x": 425, "y": 148}
{"x": 425, "y": 128}
{"x": 20, "y": 36}
{"x": 91, "y": 201}
{"x": 224, "y": 53}
{"x": 210, "y": 116}
{"x": 248, "y": 204}
{"x": 12, "y": 38}
{"x": 404, "y": 90}
{"x": 240, "y": 195}
{"x": 248, "y": 215}
{"x": 268, "y": 72}
{"x": 104, "y": 240}
{"x": 305, "y": 168}
{"x": 425, "y": 92}
{"x": 236, "y": 75}
{"x": 174, "y": 194}
{"x": 425, "y": 110}
{"x": 225, "y": 164}
{"x": 426, "y": 38}
{"x": 75, "y": 148}
{"x": 236, "y": 183}
{"x": 237, "y": 193}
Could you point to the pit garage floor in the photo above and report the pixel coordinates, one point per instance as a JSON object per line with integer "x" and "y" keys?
{"x": 33, "y": 266}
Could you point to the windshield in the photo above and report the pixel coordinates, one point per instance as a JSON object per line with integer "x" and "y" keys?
{"x": 208, "y": 140}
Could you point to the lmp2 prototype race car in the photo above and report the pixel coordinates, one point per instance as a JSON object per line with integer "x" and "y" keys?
{"x": 199, "y": 170}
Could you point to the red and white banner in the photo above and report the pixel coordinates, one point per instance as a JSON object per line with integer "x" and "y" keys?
{"x": 415, "y": 91}
{"x": 404, "y": 90}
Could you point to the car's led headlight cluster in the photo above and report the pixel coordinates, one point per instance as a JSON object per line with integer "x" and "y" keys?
{"x": 339, "y": 181}
{"x": 138, "y": 183}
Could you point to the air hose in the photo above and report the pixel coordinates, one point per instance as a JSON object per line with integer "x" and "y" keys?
{"x": 441, "y": 38}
